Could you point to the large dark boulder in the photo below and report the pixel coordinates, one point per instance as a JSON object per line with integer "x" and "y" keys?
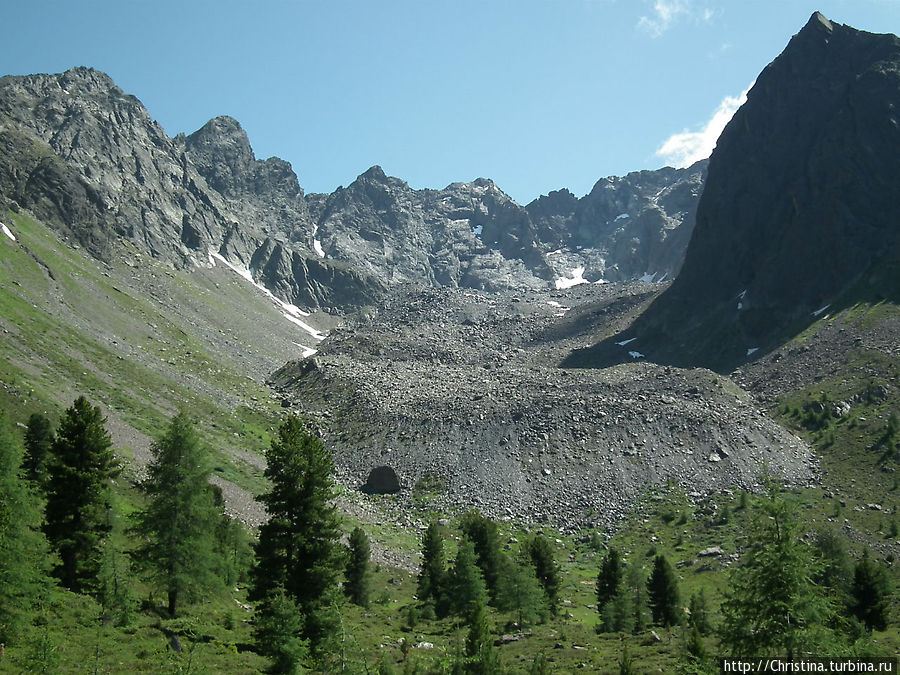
{"x": 382, "y": 480}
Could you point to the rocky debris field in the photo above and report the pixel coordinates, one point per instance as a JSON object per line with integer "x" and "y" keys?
{"x": 463, "y": 389}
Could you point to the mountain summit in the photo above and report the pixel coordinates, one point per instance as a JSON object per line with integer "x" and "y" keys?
{"x": 799, "y": 213}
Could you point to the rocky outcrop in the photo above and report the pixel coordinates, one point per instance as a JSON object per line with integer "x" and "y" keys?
{"x": 799, "y": 213}
{"x": 637, "y": 226}
{"x": 85, "y": 156}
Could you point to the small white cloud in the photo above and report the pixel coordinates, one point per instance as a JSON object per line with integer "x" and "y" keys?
{"x": 681, "y": 150}
{"x": 665, "y": 12}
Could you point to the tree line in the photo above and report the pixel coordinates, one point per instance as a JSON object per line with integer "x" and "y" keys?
{"x": 61, "y": 524}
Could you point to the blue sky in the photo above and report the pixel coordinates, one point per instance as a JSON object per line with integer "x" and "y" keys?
{"x": 536, "y": 95}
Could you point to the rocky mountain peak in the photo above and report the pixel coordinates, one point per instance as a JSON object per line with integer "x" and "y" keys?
{"x": 374, "y": 173}
{"x": 818, "y": 22}
{"x": 221, "y": 151}
{"x": 798, "y": 212}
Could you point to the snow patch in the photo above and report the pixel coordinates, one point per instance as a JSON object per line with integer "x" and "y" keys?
{"x": 740, "y": 306}
{"x": 477, "y": 230}
{"x": 576, "y": 279}
{"x": 317, "y": 247}
{"x": 289, "y": 311}
{"x": 316, "y": 335}
{"x": 821, "y": 309}
{"x": 625, "y": 342}
{"x": 648, "y": 277}
{"x": 307, "y": 351}
{"x": 556, "y": 252}
{"x": 7, "y": 232}
{"x": 622, "y": 216}
{"x": 752, "y": 350}
{"x": 636, "y": 355}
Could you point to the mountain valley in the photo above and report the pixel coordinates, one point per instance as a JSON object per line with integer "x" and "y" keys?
{"x": 624, "y": 369}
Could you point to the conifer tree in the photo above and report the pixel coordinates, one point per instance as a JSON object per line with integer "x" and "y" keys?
{"x": 699, "y": 612}
{"x": 635, "y": 587}
{"x": 546, "y": 568}
{"x": 24, "y": 552}
{"x": 466, "y": 582}
{"x": 869, "y": 593}
{"x": 299, "y": 546}
{"x": 278, "y": 625}
{"x": 482, "y": 657}
{"x": 178, "y": 526}
{"x": 520, "y": 590}
{"x": 38, "y": 442}
{"x": 662, "y": 589}
{"x": 609, "y": 577}
{"x": 774, "y": 605}
{"x": 233, "y": 552}
{"x": 79, "y": 476}
{"x": 484, "y": 535}
{"x": 358, "y": 573}
{"x": 432, "y": 587}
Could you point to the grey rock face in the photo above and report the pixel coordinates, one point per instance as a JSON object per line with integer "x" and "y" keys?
{"x": 84, "y": 155}
{"x": 799, "y": 213}
{"x": 625, "y": 228}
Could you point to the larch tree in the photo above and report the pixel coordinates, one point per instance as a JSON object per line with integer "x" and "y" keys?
{"x": 466, "y": 584}
{"x": 299, "y": 546}
{"x": 177, "y": 528}
{"x": 79, "y": 478}
{"x": 774, "y": 605}
{"x": 485, "y": 537}
{"x": 24, "y": 552}
{"x": 520, "y": 590}
{"x": 546, "y": 568}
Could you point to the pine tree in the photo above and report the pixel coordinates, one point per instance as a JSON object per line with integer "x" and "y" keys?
{"x": 466, "y": 582}
{"x": 546, "y": 568}
{"x": 358, "y": 572}
{"x": 609, "y": 577}
{"x": 483, "y": 533}
{"x": 433, "y": 573}
{"x": 178, "y": 526}
{"x": 79, "y": 476}
{"x": 299, "y": 546}
{"x": 24, "y": 552}
{"x": 38, "y": 442}
{"x": 662, "y": 588}
{"x": 774, "y": 605}
{"x": 869, "y": 594}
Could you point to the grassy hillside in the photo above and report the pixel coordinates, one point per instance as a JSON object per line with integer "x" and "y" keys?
{"x": 143, "y": 340}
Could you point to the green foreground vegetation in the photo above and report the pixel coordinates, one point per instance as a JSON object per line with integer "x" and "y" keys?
{"x": 98, "y": 580}
{"x": 157, "y": 579}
